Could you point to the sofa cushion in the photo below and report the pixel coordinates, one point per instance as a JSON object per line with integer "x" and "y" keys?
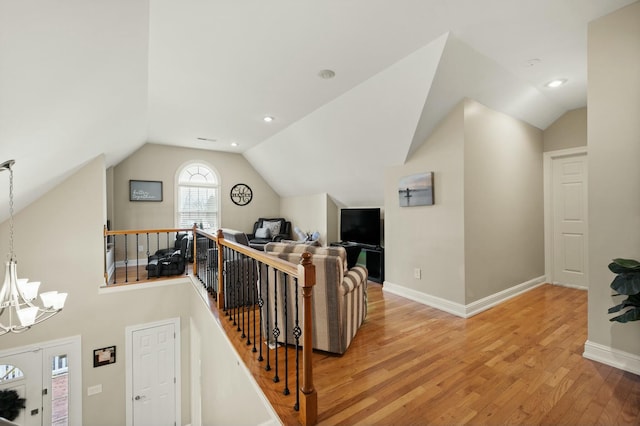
{"x": 301, "y": 248}
{"x": 272, "y": 225}
{"x": 263, "y": 233}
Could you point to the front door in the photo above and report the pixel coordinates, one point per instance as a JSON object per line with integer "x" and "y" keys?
{"x": 154, "y": 376}
{"x": 569, "y": 189}
{"x": 22, "y": 372}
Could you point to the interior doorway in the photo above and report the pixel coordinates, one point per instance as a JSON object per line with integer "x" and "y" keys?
{"x": 566, "y": 217}
{"x": 153, "y": 373}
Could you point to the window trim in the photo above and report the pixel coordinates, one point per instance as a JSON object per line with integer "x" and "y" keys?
{"x": 218, "y": 186}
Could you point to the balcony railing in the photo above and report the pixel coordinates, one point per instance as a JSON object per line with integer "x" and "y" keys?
{"x": 267, "y": 299}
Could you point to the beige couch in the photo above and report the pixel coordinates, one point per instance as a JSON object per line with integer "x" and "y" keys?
{"x": 339, "y": 297}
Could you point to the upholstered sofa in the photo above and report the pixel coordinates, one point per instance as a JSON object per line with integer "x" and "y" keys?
{"x": 339, "y": 297}
{"x": 269, "y": 230}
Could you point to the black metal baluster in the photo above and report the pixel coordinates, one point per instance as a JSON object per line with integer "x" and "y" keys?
{"x": 115, "y": 260}
{"x": 137, "y": 258}
{"x": 261, "y": 305}
{"x": 286, "y": 335}
{"x": 126, "y": 259}
{"x": 268, "y": 335}
{"x": 276, "y": 330}
{"x": 297, "y": 332}
{"x": 253, "y": 284}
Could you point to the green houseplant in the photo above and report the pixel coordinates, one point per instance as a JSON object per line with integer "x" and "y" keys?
{"x": 626, "y": 282}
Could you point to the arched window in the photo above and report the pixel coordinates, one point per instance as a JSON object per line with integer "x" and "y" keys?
{"x": 198, "y": 197}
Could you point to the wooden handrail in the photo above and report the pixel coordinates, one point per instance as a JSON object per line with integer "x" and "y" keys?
{"x": 144, "y": 231}
{"x": 305, "y": 272}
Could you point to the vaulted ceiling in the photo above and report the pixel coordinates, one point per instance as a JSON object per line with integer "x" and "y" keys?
{"x": 82, "y": 78}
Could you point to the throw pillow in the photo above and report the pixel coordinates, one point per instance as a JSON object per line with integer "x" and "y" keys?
{"x": 274, "y": 226}
{"x": 263, "y": 233}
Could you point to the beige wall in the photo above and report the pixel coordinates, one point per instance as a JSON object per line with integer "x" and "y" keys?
{"x": 309, "y": 213}
{"x": 503, "y": 202}
{"x": 568, "y": 131}
{"x": 162, "y": 162}
{"x": 485, "y": 233}
{"x": 430, "y": 237}
{"x": 59, "y": 242}
{"x": 614, "y": 174}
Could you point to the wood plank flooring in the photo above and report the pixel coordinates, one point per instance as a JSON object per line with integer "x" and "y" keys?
{"x": 517, "y": 363}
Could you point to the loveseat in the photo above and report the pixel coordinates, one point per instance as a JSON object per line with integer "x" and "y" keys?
{"x": 269, "y": 230}
{"x": 339, "y": 297}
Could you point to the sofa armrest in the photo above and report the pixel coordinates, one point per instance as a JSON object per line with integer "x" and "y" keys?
{"x": 354, "y": 278}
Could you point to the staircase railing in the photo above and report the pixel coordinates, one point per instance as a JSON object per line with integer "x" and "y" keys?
{"x": 269, "y": 301}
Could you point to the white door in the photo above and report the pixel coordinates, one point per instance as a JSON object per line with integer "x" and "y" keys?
{"x": 22, "y": 372}
{"x": 154, "y": 376}
{"x": 569, "y": 212}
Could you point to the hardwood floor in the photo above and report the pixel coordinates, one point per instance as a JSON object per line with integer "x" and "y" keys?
{"x": 517, "y": 363}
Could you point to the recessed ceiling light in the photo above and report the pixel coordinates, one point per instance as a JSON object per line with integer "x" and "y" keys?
{"x": 234, "y": 143}
{"x": 268, "y": 119}
{"x": 327, "y": 74}
{"x": 556, "y": 83}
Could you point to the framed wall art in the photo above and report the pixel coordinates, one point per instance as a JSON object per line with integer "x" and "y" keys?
{"x": 145, "y": 190}
{"x": 416, "y": 190}
{"x": 104, "y": 356}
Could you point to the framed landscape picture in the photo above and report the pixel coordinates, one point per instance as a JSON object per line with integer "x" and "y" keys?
{"x": 416, "y": 190}
{"x": 145, "y": 190}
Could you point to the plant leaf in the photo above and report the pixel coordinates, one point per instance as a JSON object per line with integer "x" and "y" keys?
{"x": 630, "y": 315}
{"x": 627, "y": 283}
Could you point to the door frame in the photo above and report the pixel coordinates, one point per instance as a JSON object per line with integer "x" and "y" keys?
{"x": 129, "y": 365}
{"x": 74, "y": 344}
{"x": 547, "y": 163}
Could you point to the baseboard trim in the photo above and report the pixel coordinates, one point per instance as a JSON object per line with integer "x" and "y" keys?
{"x": 426, "y": 299}
{"x": 613, "y": 357}
{"x": 464, "y": 311}
{"x": 490, "y": 301}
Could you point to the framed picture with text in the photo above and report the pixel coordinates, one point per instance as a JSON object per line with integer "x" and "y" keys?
{"x": 145, "y": 190}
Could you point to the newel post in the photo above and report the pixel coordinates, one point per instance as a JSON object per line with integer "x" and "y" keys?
{"x": 220, "y": 237}
{"x": 309, "y": 396}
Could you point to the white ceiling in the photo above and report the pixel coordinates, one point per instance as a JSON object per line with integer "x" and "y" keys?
{"x": 80, "y": 78}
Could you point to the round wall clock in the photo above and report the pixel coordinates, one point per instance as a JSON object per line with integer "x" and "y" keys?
{"x": 241, "y": 194}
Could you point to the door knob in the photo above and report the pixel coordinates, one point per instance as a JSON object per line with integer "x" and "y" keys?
{"x": 138, "y": 397}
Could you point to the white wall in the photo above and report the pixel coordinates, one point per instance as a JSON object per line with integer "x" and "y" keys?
{"x": 614, "y": 171}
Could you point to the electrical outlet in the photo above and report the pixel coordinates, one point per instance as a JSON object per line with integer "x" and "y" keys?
{"x": 140, "y": 248}
{"x": 417, "y": 273}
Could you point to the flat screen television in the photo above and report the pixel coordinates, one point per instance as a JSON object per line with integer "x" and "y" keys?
{"x": 361, "y": 226}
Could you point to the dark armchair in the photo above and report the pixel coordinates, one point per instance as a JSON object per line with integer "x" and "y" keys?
{"x": 269, "y": 230}
{"x": 169, "y": 261}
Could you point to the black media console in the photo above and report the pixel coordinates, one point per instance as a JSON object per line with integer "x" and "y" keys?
{"x": 374, "y": 258}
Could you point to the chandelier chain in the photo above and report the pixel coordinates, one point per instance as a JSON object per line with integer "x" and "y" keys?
{"x": 11, "y": 254}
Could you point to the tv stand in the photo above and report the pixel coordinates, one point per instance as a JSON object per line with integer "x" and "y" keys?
{"x": 374, "y": 258}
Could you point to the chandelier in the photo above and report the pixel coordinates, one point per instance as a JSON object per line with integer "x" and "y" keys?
{"x": 18, "y": 296}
